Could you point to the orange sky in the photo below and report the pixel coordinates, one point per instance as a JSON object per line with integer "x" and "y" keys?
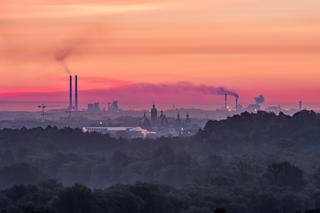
{"x": 268, "y": 47}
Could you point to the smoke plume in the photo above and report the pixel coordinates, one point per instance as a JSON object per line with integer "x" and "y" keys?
{"x": 181, "y": 87}
{"x": 259, "y": 100}
{"x": 169, "y": 89}
{"x": 61, "y": 57}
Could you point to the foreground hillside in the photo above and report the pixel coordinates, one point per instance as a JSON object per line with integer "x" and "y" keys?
{"x": 248, "y": 163}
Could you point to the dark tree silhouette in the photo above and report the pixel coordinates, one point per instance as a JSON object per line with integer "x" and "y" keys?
{"x": 285, "y": 174}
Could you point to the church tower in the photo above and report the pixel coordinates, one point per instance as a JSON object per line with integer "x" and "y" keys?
{"x": 154, "y": 115}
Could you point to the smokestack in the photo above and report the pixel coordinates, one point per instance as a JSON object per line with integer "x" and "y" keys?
{"x": 226, "y": 102}
{"x": 76, "y": 93}
{"x": 70, "y": 92}
{"x": 300, "y": 105}
{"x": 237, "y": 103}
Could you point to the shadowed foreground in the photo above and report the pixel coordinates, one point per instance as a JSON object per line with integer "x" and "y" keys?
{"x": 251, "y": 163}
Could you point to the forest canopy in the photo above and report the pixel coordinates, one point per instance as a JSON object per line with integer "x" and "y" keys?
{"x": 259, "y": 162}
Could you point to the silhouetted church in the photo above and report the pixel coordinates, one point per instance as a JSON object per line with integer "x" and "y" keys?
{"x": 154, "y": 115}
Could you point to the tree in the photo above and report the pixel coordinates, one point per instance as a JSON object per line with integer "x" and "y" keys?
{"x": 118, "y": 200}
{"x": 20, "y": 173}
{"x": 285, "y": 174}
{"x": 195, "y": 209}
{"x": 76, "y": 199}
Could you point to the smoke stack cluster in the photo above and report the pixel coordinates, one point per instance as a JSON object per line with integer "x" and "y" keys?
{"x": 226, "y": 101}
{"x": 71, "y": 107}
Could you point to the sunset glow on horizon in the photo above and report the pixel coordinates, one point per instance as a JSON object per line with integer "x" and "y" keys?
{"x": 252, "y": 47}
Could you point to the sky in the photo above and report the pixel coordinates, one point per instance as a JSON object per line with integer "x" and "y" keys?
{"x": 250, "y": 47}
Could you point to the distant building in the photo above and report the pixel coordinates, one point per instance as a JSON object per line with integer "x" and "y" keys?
{"x": 275, "y": 109}
{"x": 178, "y": 120}
{"x": 95, "y": 107}
{"x": 121, "y": 132}
{"x": 154, "y": 115}
{"x": 253, "y": 107}
{"x": 257, "y": 106}
{"x": 300, "y": 105}
{"x": 188, "y": 118}
{"x": 163, "y": 121}
{"x": 113, "y": 106}
{"x": 145, "y": 123}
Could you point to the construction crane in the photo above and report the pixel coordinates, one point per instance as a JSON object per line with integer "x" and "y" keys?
{"x": 43, "y": 109}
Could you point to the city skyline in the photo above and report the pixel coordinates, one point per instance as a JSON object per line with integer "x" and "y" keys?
{"x": 251, "y": 47}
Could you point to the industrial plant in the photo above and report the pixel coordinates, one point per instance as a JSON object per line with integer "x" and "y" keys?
{"x": 74, "y": 107}
{"x": 110, "y": 118}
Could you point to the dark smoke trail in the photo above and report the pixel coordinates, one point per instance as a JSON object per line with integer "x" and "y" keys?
{"x": 181, "y": 87}
{"x": 61, "y": 56}
{"x": 259, "y": 100}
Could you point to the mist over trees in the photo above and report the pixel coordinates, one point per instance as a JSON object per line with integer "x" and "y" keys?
{"x": 254, "y": 163}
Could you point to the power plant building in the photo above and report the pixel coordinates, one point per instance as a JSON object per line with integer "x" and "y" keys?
{"x": 94, "y": 107}
{"x": 113, "y": 106}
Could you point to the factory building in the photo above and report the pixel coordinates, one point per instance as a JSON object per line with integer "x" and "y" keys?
{"x": 113, "y": 106}
{"x": 121, "y": 132}
{"x": 94, "y": 107}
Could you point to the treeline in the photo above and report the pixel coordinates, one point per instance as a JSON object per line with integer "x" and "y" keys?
{"x": 52, "y": 197}
{"x": 251, "y": 163}
{"x": 261, "y": 127}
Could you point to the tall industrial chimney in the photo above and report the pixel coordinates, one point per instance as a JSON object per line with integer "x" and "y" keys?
{"x": 300, "y": 105}
{"x": 76, "y": 93}
{"x": 70, "y": 93}
{"x": 237, "y": 103}
{"x": 226, "y": 102}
